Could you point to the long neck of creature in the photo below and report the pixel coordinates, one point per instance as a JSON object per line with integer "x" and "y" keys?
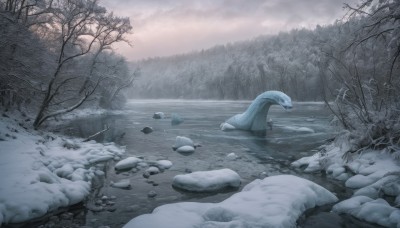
{"x": 259, "y": 117}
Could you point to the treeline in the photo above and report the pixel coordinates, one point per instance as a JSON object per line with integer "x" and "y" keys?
{"x": 293, "y": 62}
{"x": 56, "y": 56}
{"x": 288, "y": 62}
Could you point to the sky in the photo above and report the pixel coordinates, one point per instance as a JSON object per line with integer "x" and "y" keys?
{"x": 168, "y": 27}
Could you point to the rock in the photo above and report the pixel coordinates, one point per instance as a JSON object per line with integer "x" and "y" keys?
{"x": 232, "y": 156}
{"x": 146, "y": 175}
{"x": 158, "y": 115}
{"x": 152, "y": 170}
{"x": 185, "y": 149}
{"x": 147, "y": 130}
{"x": 127, "y": 163}
{"x": 123, "y": 184}
{"x": 176, "y": 119}
{"x": 152, "y": 194}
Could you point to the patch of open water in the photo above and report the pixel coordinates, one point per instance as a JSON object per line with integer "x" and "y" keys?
{"x": 295, "y": 134}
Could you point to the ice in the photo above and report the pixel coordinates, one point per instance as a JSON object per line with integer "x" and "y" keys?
{"x": 298, "y": 129}
{"x": 255, "y": 117}
{"x": 176, "y": 119}
{"x": 375, "y": 211}
{"x": 203, "y": 181}
{"x": 127, "y": 163}
{"x": 275, "y": 201}
{"x": 41, "y": 172}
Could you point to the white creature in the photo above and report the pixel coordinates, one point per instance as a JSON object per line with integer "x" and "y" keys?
{"x": 255, "y": 117}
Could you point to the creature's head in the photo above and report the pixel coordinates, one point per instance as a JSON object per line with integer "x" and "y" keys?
{"x": 278, "y": 98}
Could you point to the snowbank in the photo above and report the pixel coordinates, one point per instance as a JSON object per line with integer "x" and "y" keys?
{"x": 41, "y": 172}
{"x": 276, "y": 201}
{"x": 376, "y": 211}
{"x": 372, "y": 174}
{"x": 203, "y": 181}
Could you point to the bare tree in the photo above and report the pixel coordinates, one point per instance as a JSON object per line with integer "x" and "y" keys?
{"x": 82, "y": 27}
{"x": 366, "y": 66}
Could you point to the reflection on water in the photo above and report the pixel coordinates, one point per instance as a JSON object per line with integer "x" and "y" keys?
{"x": 295, "y": 134}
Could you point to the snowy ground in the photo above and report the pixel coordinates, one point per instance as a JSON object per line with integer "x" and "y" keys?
{"x": 275, "y": 201}
{"x": 374, "y": 175}
{"x": 40, "y": 171}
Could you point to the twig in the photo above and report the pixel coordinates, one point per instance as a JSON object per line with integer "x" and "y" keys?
{"x": 96, "y": 134}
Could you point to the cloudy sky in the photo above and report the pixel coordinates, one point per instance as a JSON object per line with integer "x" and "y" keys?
{"x": 167, "y": 27}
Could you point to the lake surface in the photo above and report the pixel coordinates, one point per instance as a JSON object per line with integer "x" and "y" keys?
{"x": 296, "y": 133}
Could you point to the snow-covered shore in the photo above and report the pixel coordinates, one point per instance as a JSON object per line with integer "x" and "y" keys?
{"x": 41, "y": 171}
{"x": 372, "y": 174}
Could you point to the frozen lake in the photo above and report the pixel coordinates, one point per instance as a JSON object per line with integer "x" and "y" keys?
{"x": 295, "y": 134}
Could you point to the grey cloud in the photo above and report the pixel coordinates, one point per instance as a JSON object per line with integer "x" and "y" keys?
{"x": 245, "y": 18}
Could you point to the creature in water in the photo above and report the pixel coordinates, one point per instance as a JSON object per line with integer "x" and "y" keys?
{"x": 255, "y": 117}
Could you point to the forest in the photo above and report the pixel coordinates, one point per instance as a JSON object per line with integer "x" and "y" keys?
{"x": 293, "y": 129}
{"x": 57, "y": 55}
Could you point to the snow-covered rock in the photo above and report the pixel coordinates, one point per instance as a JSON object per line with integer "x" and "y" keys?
{"x": 275, "y": 201}
{"x": 375, "y": 211}
{"x": 232, "y": 156}
{"x": 158, "y": 115}
{"x": 164, "y": 164}
{"x": 124, "y": 184}
{"x": 203, "y": 181}
{"x": 127, "y": 163}
{"x": 183, "y": 141}
{"x": 41, "y": 172}
{"x": 152, "y": 170}
{"x": 185, "y": 149}
{"x": 311, "y": 164}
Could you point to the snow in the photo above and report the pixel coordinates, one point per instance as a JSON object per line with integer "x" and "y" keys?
{"x": 255, "y": 117}
{"x": 205, "y": 181}
{"x": 183, "y": 141}
{"x": 232, "y": 156}
{"x": 123, "y": 184}
{"x": 158, "y": 115}
{"x": 227, "y": 127}
{"x": 376, "y": 211}
{"x": 127, "y": 163}
{"x": 164, "y": 164}
{"x": 298, "y": 129}
{"x": 372, "y": 174}
{"x": 152, "y": 170}
{"x": 185, "y": 149}
{"x": 275, "y": 201}
{"x": 41, "y": 172}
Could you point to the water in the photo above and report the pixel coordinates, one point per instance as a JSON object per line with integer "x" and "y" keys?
{"x": 271, "y": 154}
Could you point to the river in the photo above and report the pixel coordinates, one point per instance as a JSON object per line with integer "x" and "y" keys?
{"x": 295, "y": 133}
